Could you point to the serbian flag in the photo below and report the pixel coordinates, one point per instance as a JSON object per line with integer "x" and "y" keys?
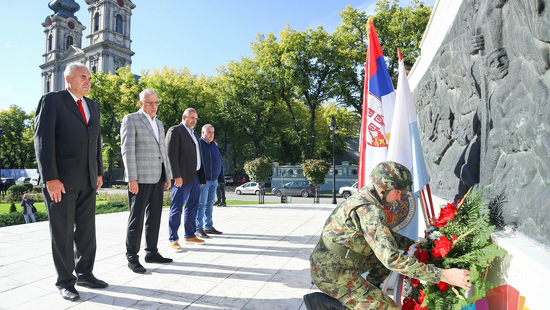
{"x": 378, "y": 104}
{"x": 405, "y": 145}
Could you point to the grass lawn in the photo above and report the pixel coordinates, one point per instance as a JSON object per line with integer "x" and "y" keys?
{"x": 5, "y": 207}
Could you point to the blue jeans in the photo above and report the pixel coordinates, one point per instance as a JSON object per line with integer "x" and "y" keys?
{"x": 206, "y": 201}
{"x": 188, "y": 195}
{"x": 29, "y": 218}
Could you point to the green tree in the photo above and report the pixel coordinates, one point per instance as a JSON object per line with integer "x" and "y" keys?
{"x": 348, "y": 124}
{"x": 269, "y": 55}
{"x": 17, "y": 145}
{"x": 117, "y": 95}
{"x": 310, "y": 58}
{"x": 396, "y": 27}
{"x": 315, "y": 171}
{"x": 249, "y": 101}
{"x": 401, "y": 28}
{"x": 259, "y": 170}
{"x": 176, "y": 92}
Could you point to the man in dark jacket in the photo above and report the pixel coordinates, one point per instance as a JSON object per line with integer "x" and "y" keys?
{"x": 212, "y": 164}
{"x": 184, "y": 152}
{"x": 67, "y": 142}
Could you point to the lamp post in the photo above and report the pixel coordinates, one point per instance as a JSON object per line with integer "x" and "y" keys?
{"x": 333, "y": 128}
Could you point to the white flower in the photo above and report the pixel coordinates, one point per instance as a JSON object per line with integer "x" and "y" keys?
{"x": 412, "y": 250}
{"x": 434, "y": 235}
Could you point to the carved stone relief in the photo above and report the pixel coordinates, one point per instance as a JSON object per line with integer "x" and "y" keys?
{"x": 484, "y": 110}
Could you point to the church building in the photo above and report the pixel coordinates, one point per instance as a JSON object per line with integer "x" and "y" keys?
{"x": 108, "y": 47}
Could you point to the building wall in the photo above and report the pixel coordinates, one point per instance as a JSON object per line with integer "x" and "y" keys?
{"x": 346, "y": 175}
{"x": 481, "y": 91}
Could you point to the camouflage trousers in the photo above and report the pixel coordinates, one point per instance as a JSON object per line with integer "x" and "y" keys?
{"x": 341, "y": 278}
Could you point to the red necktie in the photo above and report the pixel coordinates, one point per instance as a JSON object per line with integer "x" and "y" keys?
{"x": 82, "y": 111}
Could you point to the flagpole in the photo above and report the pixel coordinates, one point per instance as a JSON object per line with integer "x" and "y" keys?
{"x": 430, "y": 198}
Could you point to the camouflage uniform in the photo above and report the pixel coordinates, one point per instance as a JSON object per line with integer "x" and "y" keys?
{"x": 359, "y": 226}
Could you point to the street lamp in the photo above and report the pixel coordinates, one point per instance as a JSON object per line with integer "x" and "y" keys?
{"x": 334, "y": 129}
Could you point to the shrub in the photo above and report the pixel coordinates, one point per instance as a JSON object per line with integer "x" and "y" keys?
{"x": 16, "y": 218}
{"x": 259, "y": 169}
{"x": 15, "y": 193}
{"x": 12, "y": 207}
{"x": 41, "y": 216}
{"x": 112, "y": 207}
{"x": 12, "y": 218}
{"x": 315, "y": 171}
{"x": 29, "y": 186}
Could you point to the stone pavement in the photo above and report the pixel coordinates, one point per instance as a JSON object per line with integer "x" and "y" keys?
{"x": 260, "y": 262}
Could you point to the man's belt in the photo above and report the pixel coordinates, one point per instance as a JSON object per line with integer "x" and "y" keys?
{"x": 341, "y": 250}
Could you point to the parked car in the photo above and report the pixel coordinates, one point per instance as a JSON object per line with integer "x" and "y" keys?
{"x": 248, "y": 188}
{"x": 8, "y": 182}
{"x": 23, "y": 180}
{"x": 294, "y": 188}
{"x": 346, "y": 191}
{"x": 34, "y": 181}
{"x": 229, "y": 180}
{"x": 241, "y": 179}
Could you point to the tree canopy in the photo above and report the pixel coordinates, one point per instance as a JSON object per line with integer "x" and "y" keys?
{"x": 277, "y": 103}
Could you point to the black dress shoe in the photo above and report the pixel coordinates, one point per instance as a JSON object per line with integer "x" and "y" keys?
{"x": 213, "y": 231}
{"x": 92, "y": 282}
{"x": 157, "y": 258}
{"x": 69, "y": 293}
{"x": 200, "y": 233}
{"x": 136, "y": 267}
{"x": 320, "y": 301}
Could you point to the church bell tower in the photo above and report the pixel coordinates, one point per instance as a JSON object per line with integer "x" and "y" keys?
{"x": 109, "y": 43}
{"x": 63, "y": 40}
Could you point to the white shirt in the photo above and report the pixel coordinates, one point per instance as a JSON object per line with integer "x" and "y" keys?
{"x": 84, "y": 105}
{"x": 197, "y": 146}
{"x": 153, "y": 124}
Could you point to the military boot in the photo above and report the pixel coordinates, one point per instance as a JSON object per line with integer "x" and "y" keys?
{"x": 320, "y": 301}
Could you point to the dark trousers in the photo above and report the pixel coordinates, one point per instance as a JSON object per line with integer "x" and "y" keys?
{"x": 220, "y": 193}
{"x": 188, "y": 195}
{"x": 72, "y": 229}
{"x": 147, "y": 203}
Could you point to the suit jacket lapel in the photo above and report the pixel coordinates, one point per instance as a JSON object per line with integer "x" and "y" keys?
{"x": 147, "y": 124}
{"x": 71, "y": 104}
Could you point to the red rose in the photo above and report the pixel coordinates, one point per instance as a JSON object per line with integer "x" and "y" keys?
{"x": 446, "y": 214}
{"x": 420, "y": 301}
{"x": 414, "y": 282}
{"x": 408, "y": 304}
{"x": 421, "y": 256}
{"x": 441, "y": 247}
{"x": 442, "y": 286}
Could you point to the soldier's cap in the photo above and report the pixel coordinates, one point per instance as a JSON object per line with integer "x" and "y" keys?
{"x": 391, "y": 175}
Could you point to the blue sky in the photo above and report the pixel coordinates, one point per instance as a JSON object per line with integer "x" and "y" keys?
{"x": 199, "y": 35}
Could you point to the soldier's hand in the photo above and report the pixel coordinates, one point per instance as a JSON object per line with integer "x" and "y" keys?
{"x": 457, "y": 277}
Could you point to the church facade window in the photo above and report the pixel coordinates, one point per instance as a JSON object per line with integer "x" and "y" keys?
{"x": 69, "y": 42}
{"x": 50, "y": 42}
{"x": 96, "y": 22}
{"x": 119, "y": 24}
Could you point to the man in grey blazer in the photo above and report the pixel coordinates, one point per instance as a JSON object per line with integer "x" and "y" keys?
{"x": 184, "y": 151}
{"x": 67, "y": 142}
{"x": 148, "y": 173}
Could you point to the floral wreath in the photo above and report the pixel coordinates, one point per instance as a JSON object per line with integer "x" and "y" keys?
{"x": 472, "y": 249}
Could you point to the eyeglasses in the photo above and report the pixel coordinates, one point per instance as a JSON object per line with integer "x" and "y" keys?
{"x": 152, "y": 103}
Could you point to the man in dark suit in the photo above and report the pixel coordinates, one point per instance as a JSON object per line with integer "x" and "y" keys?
{"x": 147, "y": 171}
{"x": 67, "y": 142}
{"x": 184, "y": 152}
